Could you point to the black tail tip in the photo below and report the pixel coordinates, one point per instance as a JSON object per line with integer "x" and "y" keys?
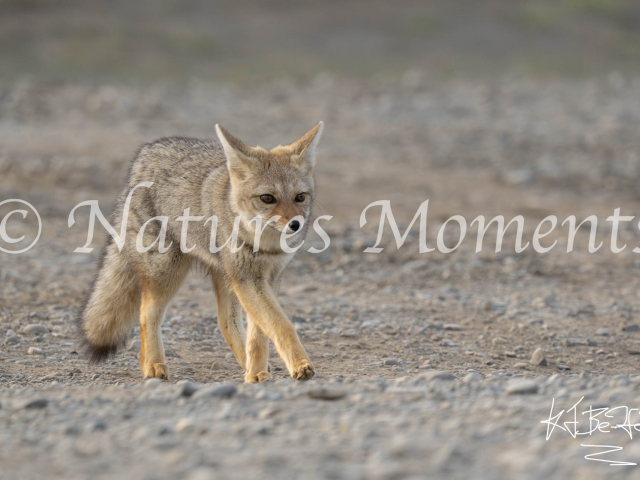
{"x": 99, "y": 353}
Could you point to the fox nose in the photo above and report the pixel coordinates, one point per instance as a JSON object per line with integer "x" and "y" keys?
{"x": 294, "y": 225}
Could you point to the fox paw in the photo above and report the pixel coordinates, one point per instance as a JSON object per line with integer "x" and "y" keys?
{"x": 304, "y": 371}
{"x": 257, "y": 377}
{"x": 156, "y": 370}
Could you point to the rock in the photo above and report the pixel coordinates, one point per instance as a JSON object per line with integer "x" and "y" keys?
{"x": 454, "y": 327}
{"x": 220, "y": 365}
{"x": 522, "y": 387}
{"x": 633, "y": 351}
{"x": 520, "y": 365}
{"x": 448, "y": 343}
{"x": 185, "y": 425}
{"x": 10, "y": 333}
{"x": 52, "y": 376}
{"x": 390, "y": 361}
{"x": 98, "y": 426}
{"x": 36, "y": 403}
{"x": 538, "y": 358}
{"x": 187, "y": 388}
{"x": 12, "y": 341}
{"x": 35, "y": 329}
{"x": 326, "y": 393}
{"x": 437, "y": 375}
{"x": 472, "y": 377}
{"x": 627, "y": 328}
{"x": 34, "y": 351}
{"x": 563, "y": 367}
{"x": 135, "y": 346}
{"x": 604, "y": 332}
{"x": 224, "y": 390}
{"x": 152, "y": 382}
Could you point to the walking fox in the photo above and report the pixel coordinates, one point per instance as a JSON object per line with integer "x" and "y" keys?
{"x": 231, "y": 180}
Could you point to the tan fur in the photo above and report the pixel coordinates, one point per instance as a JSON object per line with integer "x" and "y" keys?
{"x": 226, "y": 179}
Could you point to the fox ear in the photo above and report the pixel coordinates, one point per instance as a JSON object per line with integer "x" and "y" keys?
{"x": 304, "y": 150}
{"x": 240, "y": 156}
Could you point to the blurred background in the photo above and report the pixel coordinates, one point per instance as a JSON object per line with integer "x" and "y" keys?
{"x": 515, "y": 94}
{"x": 484, "y": 107}
{"x": 183, "y": 40}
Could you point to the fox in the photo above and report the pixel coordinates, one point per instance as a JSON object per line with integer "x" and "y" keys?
{"x": 197, "y": 179}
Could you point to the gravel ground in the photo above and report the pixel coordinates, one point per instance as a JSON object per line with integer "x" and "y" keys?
{"x": 378, "y": 327}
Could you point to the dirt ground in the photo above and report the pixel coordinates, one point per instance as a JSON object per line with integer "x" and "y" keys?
{"x": 423, "y": 360}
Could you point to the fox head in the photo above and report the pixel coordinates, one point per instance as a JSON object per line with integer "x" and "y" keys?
{"x": 272, "y": 183}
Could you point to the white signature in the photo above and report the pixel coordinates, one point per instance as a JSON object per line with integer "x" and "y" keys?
{"x": 599, "y": 421}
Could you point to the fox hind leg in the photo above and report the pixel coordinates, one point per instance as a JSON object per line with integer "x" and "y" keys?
{"x": 155, "y": 297}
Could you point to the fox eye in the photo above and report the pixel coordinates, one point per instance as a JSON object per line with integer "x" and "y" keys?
{"x": 268, "y": 198}
{"x": 300, "y": 197}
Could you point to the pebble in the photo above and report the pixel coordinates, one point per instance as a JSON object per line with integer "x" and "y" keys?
{"x": 187, "y": 388}
{"x": 34, "y": 351}
{"x": 36, "y": 403}
{"x": 225, "y": 390}
{"x": 185, "y": 425}
{"x": 522, "y": 387}
{"x": 220, "y": 365}
{"x": 390, "y": 361}
{"x": 471, "y": 377}
{"x": 326, "y": 393}
{"x": 135, "y": 345}
{"x": 538, "y": 358}
{"x": 603, "y": 332}
{"x": 152, "y": 382}
{"x": 10, "y": 333}
{"x": 12, "y": 340}
{"x": 454, "y": 327}
{"x": 35, "y": 328}
{"x": 437, "y": 375}
{"x": 631, "y": 328}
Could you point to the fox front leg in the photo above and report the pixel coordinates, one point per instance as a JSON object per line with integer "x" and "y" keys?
{"x": 262, "y": 307}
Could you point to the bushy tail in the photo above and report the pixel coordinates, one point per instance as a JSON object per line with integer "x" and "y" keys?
{"x": 112, "y": 307}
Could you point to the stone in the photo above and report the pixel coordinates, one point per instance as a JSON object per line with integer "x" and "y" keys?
{"x": 135, "y": 346}
{"x": 437, "y": 375}
{"x": 522, "y": 387}
{"x": 627, "y": 328}
{"x": 224, "y": 390}
{"x": 220, "y": 365}
{"x": 454, "y": 327}
{"x": 604, "y": 332}
{"x": 326, "y": 393}
{"x": 538, "y": 358}
{"x": 37, "y": 403}
{"x": 10, "y": 333}
{"x": 34, "y": 351}
{"x": 390, "y": 361}
{"x": 152, "y": 382}
{"x": 12, "y": 341}
{"x": 185, "y": 425}
{"x": 187, "y": 388}
{"x": 472, "y": 377}
{"x": 35, "y": 329}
